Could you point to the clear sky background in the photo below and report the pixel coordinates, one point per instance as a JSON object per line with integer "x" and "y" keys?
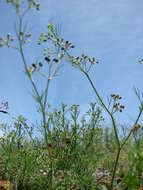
{"x": 112, "y": 31}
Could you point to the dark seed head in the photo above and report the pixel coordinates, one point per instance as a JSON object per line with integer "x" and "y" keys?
{"x": 34, "y": 65}
{"x": 122, "y": 107}
{"x": 37, "y": 7}
{"x": 55, "y": 60}
{"x": 40, "y": 64}
{"x": 47, "y": 59}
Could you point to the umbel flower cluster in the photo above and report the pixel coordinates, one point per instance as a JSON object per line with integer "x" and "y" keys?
{"x": 4, "y": 107}
{"x": 18, "y": 3}
{"x": 117, "y": 106}
{"x": 71, "y": 152}
{"x": 83, "y": 62}
{"x": 6, "y": 41}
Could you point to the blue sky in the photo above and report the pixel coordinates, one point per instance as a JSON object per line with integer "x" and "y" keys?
{"x": 109, "y": 30}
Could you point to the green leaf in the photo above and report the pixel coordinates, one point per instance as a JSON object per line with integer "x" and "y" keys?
{"x": 50, "y": 27}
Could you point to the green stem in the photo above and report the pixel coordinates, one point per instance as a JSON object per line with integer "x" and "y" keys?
{"x": 32, "y": 82}
{"x": 115, "y": 168}
{"x": 131, "y": 131}
{"x": 114, "y": 126}
{"x": 103, "y": 104}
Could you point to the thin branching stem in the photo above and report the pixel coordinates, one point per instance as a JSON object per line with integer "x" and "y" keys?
{"x": 30, "y": 78}
{"x": 104, "y": 106}
{"x": 131, "y": 131}
{"x": 115, "y": 168}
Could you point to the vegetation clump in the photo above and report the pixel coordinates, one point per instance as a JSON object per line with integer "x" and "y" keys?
{"x": 71, "y": 151}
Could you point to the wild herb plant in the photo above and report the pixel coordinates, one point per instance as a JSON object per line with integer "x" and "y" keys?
{"x": 71, "y": 154}
{"x": 84, "y": 63}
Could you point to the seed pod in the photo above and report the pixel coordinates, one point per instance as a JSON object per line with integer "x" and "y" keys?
{"x": 55, "y": 60}
{"x": 37, "y": 7}
{"x": 115, "y": 106}
{"x": 34, "y": 66}
{"x": 40, "y": 64}
{"x": 47, "y": 59}
{"x": 72, "y": 46}
{"x": 122, "y": 106}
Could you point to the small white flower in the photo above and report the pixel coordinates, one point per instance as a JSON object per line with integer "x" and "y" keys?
{"x": 44, "y": 173}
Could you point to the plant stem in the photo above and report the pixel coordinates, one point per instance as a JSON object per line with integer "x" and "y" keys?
{"x": 32, "y": 82}
{"x": 115, "y": 168}
{"x": 103, "y": 104}
{"x": 131, "y": 131}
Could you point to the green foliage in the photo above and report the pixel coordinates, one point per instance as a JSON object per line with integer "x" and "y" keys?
{"x": 69, "y": 151}
{"x": 66, "y": 160}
